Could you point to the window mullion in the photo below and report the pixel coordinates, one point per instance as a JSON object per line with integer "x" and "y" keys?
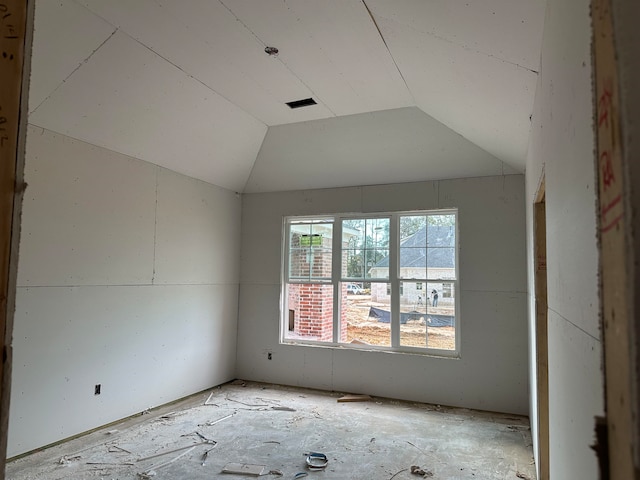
{"x": 284, "y": 300}
{"x": 336, "y": 274}
{"x": 393, "y": 279}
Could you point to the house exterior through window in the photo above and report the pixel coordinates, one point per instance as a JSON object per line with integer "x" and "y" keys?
{"x": 382, "y": 282}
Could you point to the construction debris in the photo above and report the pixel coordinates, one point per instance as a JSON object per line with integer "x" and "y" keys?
{"x": 205, "y": 455}
{"x": 283, "y": 409}
{"x": 150, "y": 472}
{"x": 209, "y": 400}
{"x": 205, "y": 439}
{"x": 208, "y": 424}
{"x": 354, "y": 398}
{"x": 524, "y": 476}
{"x": 316, "y": 461}
{"x": 190, "y": 447}
{"x": 416, "y": 470}
{"x": 66, "y": 459}
{"x": 117, "y": 449}
{"x": 244, "y": 469}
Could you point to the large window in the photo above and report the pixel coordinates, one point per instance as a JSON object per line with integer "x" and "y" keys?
{"x": 384, "y": 281}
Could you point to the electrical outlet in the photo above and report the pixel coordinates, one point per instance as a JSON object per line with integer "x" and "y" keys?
{"x": 269, "y": 356}
{"x": 96, "y": 389}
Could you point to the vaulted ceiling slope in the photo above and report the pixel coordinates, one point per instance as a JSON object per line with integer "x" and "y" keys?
{"x": 435, "y": 89}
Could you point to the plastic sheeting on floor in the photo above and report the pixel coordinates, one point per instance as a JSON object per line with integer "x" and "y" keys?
{"x": 432, "y": 320}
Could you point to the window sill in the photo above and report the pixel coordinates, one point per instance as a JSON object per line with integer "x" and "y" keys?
{"x": 423, "y": 352}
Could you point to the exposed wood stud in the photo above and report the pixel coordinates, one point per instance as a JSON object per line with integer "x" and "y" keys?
{"x": 613, "y": 231}
{"x": 14, "y": 16}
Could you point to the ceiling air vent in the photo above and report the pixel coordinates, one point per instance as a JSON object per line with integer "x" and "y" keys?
{"x": 301, "y": 103}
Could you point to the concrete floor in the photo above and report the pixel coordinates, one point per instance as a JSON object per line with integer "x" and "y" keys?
{"x": 380, "y": 439}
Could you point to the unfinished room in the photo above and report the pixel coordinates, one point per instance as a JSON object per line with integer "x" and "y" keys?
{"x": 343, "y": 239}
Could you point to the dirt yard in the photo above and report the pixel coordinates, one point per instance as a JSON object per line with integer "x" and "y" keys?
{"x": 362, "y": 328}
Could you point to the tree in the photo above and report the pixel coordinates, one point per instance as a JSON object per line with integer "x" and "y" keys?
{"x": 410, "y": 225}
{"x": 368, "y": 247}
{"x": 442, "y": 220}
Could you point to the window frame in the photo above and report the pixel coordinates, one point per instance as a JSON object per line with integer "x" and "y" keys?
{"x": 395, "y": 280}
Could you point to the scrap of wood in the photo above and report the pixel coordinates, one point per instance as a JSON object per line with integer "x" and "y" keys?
{"x": 355, "y": 398}
{"x": 209, "y": 402}
{"x": 283, "y": 409}
{"x": 244, "y": 469}
{"x": 148, "y": 473}
{"x": 208, "y": 424}
{"x": 171, "y": 451}
{"x": 115, "y": 449}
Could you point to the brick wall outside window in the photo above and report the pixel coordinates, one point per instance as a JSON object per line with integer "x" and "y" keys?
{"x": 312, "y": 303}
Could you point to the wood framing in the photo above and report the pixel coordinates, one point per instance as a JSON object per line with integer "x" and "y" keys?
{"x": 542, "y": 343}
{"x": 15, "y": 15}
{"x": 613, "y": 231}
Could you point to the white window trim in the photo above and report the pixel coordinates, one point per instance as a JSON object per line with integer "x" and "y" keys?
{"x": 394, "y": 279}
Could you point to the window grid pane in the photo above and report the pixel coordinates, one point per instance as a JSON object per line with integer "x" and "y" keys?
{"x": 427, "y": 247}
{"x": 310, "y": 252}
{"x": 428, "y": 321}
{"x": 365, "y": 244}
{"x": 309, "y": 312}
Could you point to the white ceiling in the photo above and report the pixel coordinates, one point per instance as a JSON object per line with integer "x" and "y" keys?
{"x": 186, "y": 84}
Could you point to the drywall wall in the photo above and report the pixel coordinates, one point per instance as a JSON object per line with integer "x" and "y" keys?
{"x": 492, "y": 371}
{"x": 562, "y": 145}
{"x": 128, "y": 278}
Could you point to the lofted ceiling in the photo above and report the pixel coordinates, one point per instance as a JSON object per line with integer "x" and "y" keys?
{"x": 405, "y": 90}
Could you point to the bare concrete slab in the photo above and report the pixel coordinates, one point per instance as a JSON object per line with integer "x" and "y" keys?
{"x": 276, "y": 427}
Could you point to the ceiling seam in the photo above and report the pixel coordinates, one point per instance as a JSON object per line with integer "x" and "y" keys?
{"x": 279, "y": 59}
{"x": 176, "y": 66}
{"x": 464, "y": 47}
{"x": 390, "y": 54}
{"x": 128, "y": 155}
{"x": 194, "y": 78}
{"x": 74, "y": 71}
{"x": 499, "y": 159}
{"x": 246, "y": 183}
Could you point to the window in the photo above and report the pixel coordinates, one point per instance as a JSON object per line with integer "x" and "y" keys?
{"x": 383, "y": 281}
